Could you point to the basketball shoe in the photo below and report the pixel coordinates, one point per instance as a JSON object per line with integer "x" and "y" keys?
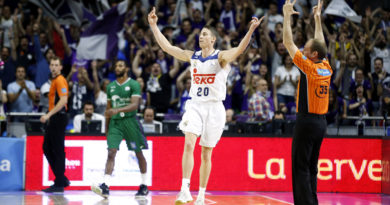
{"x": 183, "y": 197}
{"x": 102, "y": 190}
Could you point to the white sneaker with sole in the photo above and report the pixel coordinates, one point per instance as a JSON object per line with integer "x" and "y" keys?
{"x": 183, "y": 197}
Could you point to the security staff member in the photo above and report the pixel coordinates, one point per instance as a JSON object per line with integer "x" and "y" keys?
{"x": 312, "y": 105}
{"x": 54, "y": 139}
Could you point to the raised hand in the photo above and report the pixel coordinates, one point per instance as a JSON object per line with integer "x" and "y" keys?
{"x": 317, "y": 9}
{"x": 288, "y": 8}
{"x": 152, "y": 17}
{"x": 255, "y": 22}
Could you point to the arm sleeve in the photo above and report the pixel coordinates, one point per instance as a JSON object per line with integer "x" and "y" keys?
{"x": 302, "y": 62}
{"x": 136, "y": 89}
{"x": 62, "y": 87}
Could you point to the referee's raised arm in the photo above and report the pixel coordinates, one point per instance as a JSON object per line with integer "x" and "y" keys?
{"x": 318, "y": 34}
{"x": 288, "y": 10}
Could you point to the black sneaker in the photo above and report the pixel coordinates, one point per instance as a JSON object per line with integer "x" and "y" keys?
{"x": 142, "y": 191}
{"x": 102, "y": 190}
{"x": 53, "y": 189}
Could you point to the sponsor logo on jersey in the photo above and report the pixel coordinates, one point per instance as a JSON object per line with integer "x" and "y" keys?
{"x": 203, "y": 78}
{"x": 127, "y": 88}
{"x": 323, "y": 72}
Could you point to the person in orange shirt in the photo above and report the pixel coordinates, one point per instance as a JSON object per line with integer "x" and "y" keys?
{"x": 312, "y": 105}
{"x": 56, "y": 121}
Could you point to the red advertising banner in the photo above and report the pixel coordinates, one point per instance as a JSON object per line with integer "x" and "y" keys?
{"x": 386, "y": 166}
{"x": 239, "y": 164}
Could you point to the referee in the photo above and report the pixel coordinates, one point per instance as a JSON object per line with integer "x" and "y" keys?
{"x": 54, "y": 139}
{"x": 312, "y": 105}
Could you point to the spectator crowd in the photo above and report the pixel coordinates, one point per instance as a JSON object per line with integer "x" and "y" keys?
{"x": 263, "y": 81}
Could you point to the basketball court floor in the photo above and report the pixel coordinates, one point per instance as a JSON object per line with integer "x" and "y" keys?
{"x": 168, "y": 198}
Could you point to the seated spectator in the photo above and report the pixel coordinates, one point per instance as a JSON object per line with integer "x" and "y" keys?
{"x": 337, "y": 109}
{"x": 21, "y": 93}
{"x": 361, "y": 80}
{"x": 148, "y": 123}
{"x": 88, "y": 115}
{"x": 259, "y": 107}
{"x": 359, "y": 105}
{"x": 278, "y": 123}
{"x": 229, "y": 116}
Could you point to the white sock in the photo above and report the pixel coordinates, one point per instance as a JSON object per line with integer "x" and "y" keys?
{"x": 185, "y": 184}
{"x": 107, "y": 179}
{"x": 201, "y": 193}
{"x": 143, "y": 178}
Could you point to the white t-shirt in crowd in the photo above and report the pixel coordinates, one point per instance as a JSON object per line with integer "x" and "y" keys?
{"x": 287, "y": 88}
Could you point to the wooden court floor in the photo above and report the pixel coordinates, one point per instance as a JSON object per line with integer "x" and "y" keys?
{"x": 168, "y": 198}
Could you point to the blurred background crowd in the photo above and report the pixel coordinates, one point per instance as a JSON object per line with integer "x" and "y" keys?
{"x": 261, "y": 85}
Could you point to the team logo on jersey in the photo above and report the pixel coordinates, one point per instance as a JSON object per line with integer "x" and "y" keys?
{"x": 203, "y": 78}
{"x": 323, "y": 72}
{"x": 127, "y": 88}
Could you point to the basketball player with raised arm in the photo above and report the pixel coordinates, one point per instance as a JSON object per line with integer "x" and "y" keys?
{"x": 204, "y": 115}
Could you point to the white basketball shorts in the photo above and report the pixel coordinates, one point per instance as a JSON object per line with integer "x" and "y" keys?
{"x": 204, "y": 119}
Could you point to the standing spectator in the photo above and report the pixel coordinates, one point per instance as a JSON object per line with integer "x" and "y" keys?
{"x": 185, "y": 31}
{"x": 273, "y": 16}
{"x": 6, "y": 25}
{"x": 158, "y": 85}
{"x": 99, "y": 90}
{"x": 42, "y": 72}
{"x": 361, "y": 80}
{"x": 183, "y": 84}
{"x": 285, "y": 84}
{"x": 378, "y": 48}
{"x": 88, "y": 114}
{"x": 384, "y": 91}
{"x": 163, "y": 61}
{"x": 144, "y": 95}
{"x": 346, "y": 74}
{"x": 56, "y": 119}
{"x": 259, "y": 108}
{"x": 21, "y": 92}
{"x": 228, "y": 16}
{"x": 9, "y": 67}
{"x": 277, "y": 55}
{"x": 81, "y": 90}
{"x": 376, "y": 78}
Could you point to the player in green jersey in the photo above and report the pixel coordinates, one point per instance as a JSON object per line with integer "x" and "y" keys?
{"x": 123, "y": 97}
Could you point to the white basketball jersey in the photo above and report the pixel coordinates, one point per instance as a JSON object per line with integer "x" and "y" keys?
{"x": 208, "y": 78}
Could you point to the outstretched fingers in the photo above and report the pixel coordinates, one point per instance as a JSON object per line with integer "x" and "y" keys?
{"x": 319, "y": 4}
